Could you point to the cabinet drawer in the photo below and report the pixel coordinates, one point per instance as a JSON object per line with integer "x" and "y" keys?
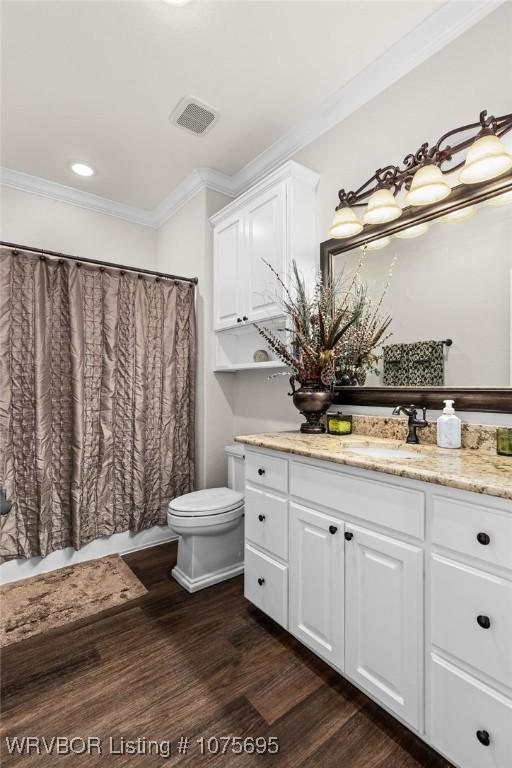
{"x": 461, "y": 707}
{"x": 462, "y": 526}
{"x": 377, "y": 502}
{"x": 266, "y": 521}
{"x": 268, "y": 471}
{"x": 266, "y": 585}
{"x": 461, "y": 595}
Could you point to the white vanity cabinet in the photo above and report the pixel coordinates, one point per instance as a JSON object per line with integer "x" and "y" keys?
{"x": 404, "y": 587}
{"x": 273, "y": 222}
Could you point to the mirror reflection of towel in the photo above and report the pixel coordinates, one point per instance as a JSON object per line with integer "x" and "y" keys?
{"x": 420, "y": 364}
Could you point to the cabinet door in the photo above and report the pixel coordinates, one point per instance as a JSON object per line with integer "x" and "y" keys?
{"x": 316, "y": 582}
{"x": 384, "y": 620}
{"x": 266, "y": 241}
{"x": 229, "y": 274}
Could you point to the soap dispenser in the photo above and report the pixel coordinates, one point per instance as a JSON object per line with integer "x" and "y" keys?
{"x": 448, "y": 427}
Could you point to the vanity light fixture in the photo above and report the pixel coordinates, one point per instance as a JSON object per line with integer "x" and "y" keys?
{"x": 462, "y": 214}
{"x": 415, "y": 231}
{"x": 345, "y": 223}
{"x": 382, "y": 207}
{"x": 487, "y": 158}
{"x": 376, "y": 245}
{"x": 422, "y": 176}
{"x": 427, "y": 186}
{"x": 504, "y": 199}
{"x": 82, "y": 169}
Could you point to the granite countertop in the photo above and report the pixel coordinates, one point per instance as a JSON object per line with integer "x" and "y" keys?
{"x": 469, "y": 470}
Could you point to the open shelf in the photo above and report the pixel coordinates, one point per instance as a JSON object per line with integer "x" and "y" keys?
{"x": 269, "y": 364}
{"x": 235, "y": 348}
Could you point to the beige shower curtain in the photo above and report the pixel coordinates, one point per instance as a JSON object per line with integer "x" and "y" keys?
{"x": 97, "y": 375}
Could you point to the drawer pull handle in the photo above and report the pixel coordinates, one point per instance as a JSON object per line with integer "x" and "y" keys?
{"x": 261, "y": 518}
{"x": 349, "y": 535}
{"x": 332, "y": 529}
{"x": 261, "y": 582}
{"x": 483, "y": 538}
{"x": 261, "y": 471}
{"x": 483, "y": 737}
{"x": 483, "y": 621}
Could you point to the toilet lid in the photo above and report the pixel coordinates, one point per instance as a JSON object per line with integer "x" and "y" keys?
{"x": 211, "y": 501}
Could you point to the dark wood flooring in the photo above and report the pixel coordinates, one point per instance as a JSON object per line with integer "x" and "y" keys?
{"x": 174, "y": 664}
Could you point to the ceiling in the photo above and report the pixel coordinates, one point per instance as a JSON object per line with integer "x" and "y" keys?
{"x": 96, "y": 81}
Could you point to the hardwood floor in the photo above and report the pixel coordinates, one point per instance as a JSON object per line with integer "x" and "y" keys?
{"x": 209, "y": 664}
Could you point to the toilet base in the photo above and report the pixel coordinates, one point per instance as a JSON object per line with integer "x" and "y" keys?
{"x": 201, "y": 582}
{"x": 214, "y": 554}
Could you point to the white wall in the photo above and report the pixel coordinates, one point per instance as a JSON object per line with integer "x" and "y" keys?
{"x": 184, "y": 246}
{"x": 450, "y": 89}
{"x": 40, "y": 222}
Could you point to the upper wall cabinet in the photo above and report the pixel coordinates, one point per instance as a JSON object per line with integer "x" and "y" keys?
{"x": 272, "y": 222}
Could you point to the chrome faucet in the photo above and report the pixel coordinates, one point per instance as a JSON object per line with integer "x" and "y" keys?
{"x": 413, "y": 422}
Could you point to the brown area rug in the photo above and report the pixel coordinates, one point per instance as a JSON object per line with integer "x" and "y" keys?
{"x": 40, "y": 603}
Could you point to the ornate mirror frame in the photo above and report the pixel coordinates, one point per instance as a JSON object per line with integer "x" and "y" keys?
{"x": 467, "y": 398}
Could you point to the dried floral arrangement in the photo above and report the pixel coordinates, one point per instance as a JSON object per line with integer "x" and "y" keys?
{"x": 337, "y": 328}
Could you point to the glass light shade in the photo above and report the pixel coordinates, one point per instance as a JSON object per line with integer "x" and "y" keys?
{"x": 345, "y": 224}
{"x": 504, "y": 199}
{"x": 382, "y": 207}
{"x": 486, "y": 159}
{"x": 428, "y": 186}
{"x": 461, "y": 215}
{"x": 376, "y": 245}
{"x": 415, "y": 231}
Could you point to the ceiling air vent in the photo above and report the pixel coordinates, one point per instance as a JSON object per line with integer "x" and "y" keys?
{"x": 194, "y": 116}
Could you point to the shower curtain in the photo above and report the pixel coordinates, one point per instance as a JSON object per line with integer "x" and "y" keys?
{"x": 97, "y": 386}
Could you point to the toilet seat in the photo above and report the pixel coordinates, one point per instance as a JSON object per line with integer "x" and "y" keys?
{"x": 206, "y": 503}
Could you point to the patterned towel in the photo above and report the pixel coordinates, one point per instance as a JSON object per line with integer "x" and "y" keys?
{"x": 420, "y": 364}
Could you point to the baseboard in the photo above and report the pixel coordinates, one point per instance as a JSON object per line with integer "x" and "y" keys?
{"x": 194, "y": 585}
{"x": 118, "y": 543}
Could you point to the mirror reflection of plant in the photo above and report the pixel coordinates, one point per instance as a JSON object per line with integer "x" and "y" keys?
{"x": 318, "y": 324}
{"x": 365, "y": 336}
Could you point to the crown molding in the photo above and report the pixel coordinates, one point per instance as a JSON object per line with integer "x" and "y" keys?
{"x": 439, "y": 29}
{"x": 45, "y": 188}
{"x": 435, "y": 32}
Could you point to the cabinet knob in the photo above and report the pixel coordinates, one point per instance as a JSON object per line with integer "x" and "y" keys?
{"x": 483, "y": 737}
{"x": 239, "y": 319}
{"x": 245, "y": 318}
{"x": 261, "y": 582}
{"x": 483, "y": 538}
{"x": 483, "y": 621}
{"x": 349, "y": 535}
{"x": 332, "y": 529}
{"x": 261, "y": 518}
{"x": 261, "y": 471}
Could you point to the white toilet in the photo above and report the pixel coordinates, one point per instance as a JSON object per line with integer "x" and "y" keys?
{"x": 210, "y": 524}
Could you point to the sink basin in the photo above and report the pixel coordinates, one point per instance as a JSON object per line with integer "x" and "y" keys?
{"x": 384, "y": 453}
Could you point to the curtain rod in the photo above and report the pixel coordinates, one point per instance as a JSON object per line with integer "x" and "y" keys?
{"x": 44, "y": 251}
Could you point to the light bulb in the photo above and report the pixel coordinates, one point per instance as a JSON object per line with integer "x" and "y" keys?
{"x": 486, "y": 159}
{"x": 345, "y": 224}
{"x": 415, "y": 231}
{"x": 376, "y": 245}
{"x": 382, "y": 207}
{"x": 428, "y": 186}
{"x": 504, "y": 199}
{"x": 460, "y": 215}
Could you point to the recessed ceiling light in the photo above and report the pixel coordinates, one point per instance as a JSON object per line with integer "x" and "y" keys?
{"x": 82, "y": 169}
{"x": 177, "y": 2}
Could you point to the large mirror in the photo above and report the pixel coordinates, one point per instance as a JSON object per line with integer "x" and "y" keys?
{"x": 450, "y": 303}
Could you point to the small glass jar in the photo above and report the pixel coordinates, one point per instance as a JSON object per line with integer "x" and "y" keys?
{"x": 504, "y": 441}
{"x": 338, "y": 424}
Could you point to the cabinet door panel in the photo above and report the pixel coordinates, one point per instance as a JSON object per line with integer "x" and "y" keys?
{"x": 316, "y": 582}
{"x": 384, "y": 620}
{"x": 229, "y": 277}
{"x": 266, "y": 241}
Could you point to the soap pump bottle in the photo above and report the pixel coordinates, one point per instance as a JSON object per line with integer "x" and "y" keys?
{"x": 448, "y": 427}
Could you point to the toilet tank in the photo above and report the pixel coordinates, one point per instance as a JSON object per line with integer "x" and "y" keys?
{"x": 236, "y": 467}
